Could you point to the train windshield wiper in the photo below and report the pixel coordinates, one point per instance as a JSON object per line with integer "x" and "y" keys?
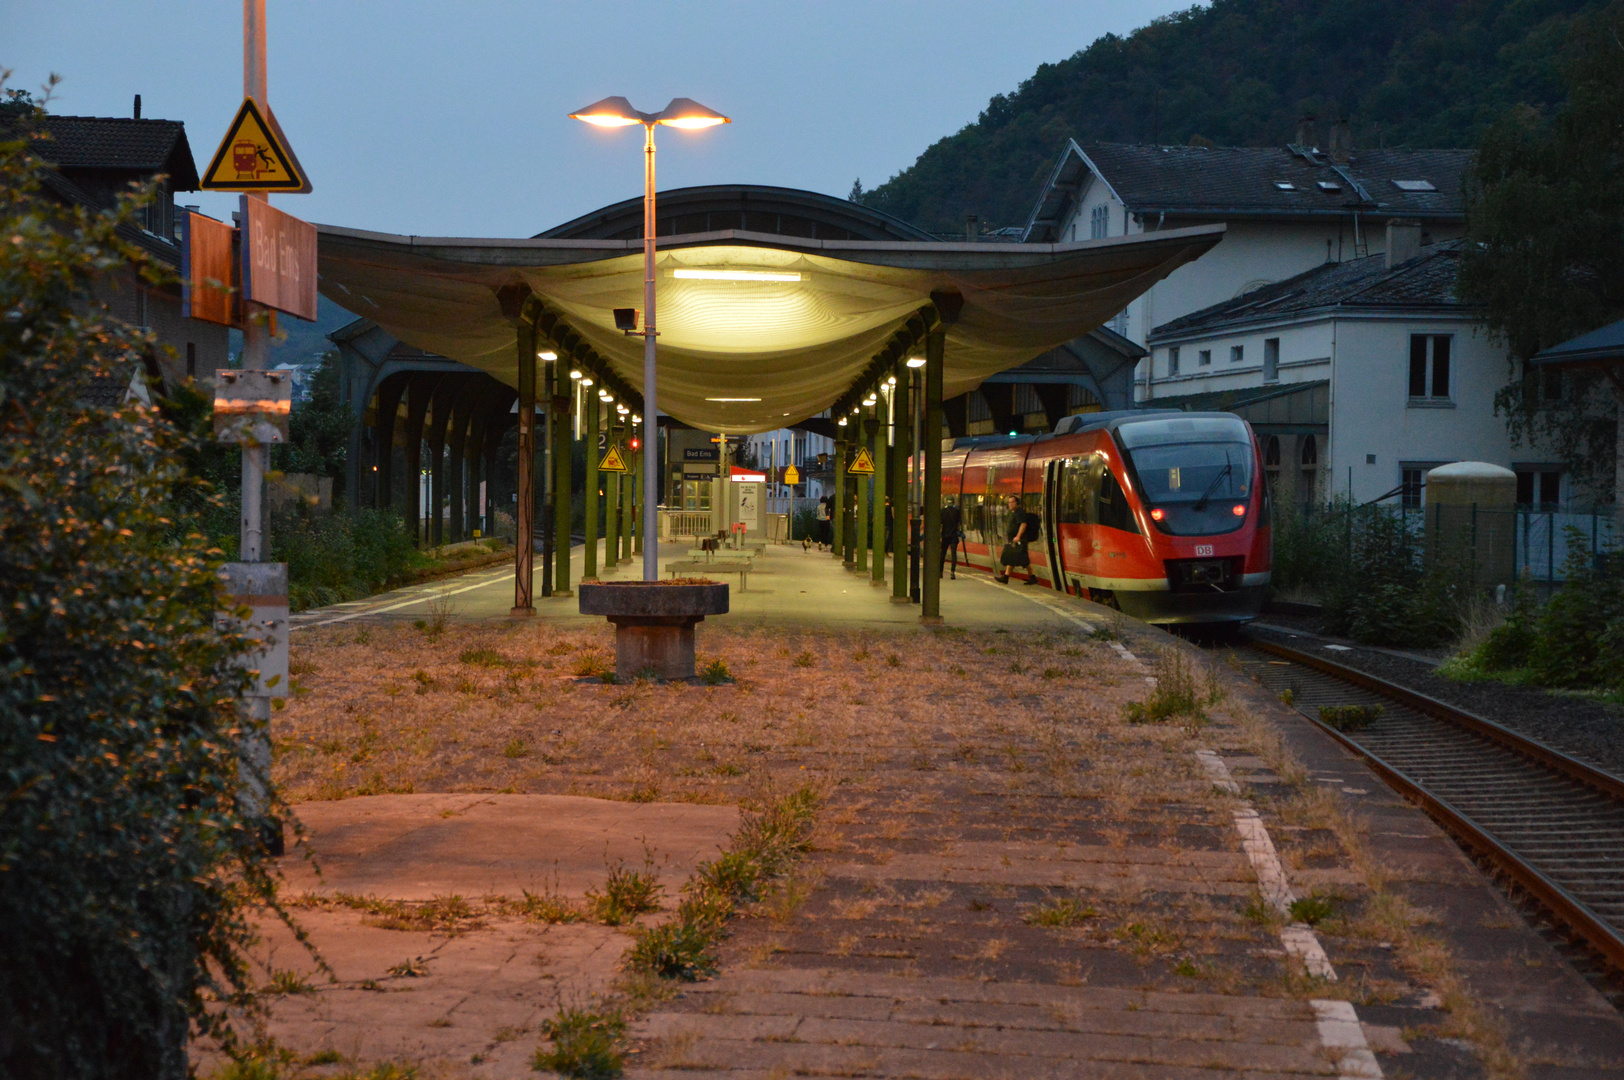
{"x": 1227, "y": 470}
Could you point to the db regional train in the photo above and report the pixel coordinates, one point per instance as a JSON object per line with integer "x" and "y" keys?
{"x": 1164, "y": 515}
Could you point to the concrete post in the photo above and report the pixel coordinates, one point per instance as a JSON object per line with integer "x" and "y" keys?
{"x": 861, "y": 536}
{"x": 901, "y": 409}
{"x": 563, "y": 467}
{"x": 589, "y": 561}
{"x": 524, "y": 509}
{"x": 931, "y": 437}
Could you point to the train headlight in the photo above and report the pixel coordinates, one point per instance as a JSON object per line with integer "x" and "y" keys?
{"x": 1158, "y": 514}
{"x": 1239, "y": 510}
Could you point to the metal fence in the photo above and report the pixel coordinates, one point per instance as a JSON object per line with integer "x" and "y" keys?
{"x": 1546, "y": 539}
{"x": 1506, "y": 545}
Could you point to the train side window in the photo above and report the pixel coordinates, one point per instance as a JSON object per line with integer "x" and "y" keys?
{"x": 1073, "y": 508}
{"x": 970, "y": 521}
{"x": 1114, "y": 511}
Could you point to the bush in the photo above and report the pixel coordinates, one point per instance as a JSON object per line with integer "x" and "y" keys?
{"x": 1382, "y": 584}
{"x": 126, "y": 859}
{"x": 343, "y": 555}
{"x": 586, "y": 1045}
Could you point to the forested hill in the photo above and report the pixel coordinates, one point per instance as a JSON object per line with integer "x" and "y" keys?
{"x": 1422, "y": 73}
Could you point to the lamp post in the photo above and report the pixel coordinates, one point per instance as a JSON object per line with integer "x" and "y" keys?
{"x": 681, "y": 113}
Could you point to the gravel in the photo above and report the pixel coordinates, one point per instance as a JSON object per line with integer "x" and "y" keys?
{"x": 1580, "y": 727}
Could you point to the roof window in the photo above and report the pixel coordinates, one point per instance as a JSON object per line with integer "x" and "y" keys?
{"x": 1414, "y": 185}
{"x": 1326, "y": 185}
{"x": 1285, "y": 185}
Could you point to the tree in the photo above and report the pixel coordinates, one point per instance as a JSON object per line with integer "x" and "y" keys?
{"x": 126, "y": 862}
{"x": 856, "y": 193}
{"x": 1544, "y": 257}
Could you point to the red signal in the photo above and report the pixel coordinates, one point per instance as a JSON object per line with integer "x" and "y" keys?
{"x": 634, "y": 444}
{"x": 1239, "y": 510}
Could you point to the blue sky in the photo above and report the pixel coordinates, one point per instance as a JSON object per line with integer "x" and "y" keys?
{"x": 442, "y": 118}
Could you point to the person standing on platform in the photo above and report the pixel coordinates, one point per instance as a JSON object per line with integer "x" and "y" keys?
{"x": 1023, "y": 529}
{"x": 825, "y": 529}
{"x": 952, "y": 535}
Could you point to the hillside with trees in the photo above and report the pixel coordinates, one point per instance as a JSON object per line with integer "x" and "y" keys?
{"x": 1423, "y": 73}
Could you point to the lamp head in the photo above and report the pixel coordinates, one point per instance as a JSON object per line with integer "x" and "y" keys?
{"x": 916, "y": 361}
{"x": 688, "y": 113}
{"x": 547, "y": 354}
{"x": 611, "y": 112}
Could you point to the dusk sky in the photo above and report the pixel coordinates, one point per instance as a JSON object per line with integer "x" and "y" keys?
{"x": 452, "y": 118}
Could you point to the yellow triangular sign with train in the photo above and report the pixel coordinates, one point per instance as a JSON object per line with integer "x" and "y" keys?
{"x": 612, "y": 461}
{"x": 255, "y": 156}
{"x": 862, "y": 463}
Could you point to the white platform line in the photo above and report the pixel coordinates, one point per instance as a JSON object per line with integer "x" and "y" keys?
{"x": 1339, "y": 1030}
{"x": 423, "y": 599}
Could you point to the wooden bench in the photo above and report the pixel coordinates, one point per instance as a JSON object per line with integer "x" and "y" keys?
{"x": 740, "y": 567}
{"x": 710, "y": 554}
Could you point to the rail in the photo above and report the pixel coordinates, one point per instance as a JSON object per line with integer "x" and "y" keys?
{"x": 1491, "y": 787}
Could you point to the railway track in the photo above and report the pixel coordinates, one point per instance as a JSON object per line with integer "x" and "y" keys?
{"x": 1550, "y": 825}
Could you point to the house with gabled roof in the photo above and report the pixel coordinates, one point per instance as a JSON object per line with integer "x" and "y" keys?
{"x": 1358, "y": 376}
{"x": 1287, "y": 209}
{"x": 93, "y": 160}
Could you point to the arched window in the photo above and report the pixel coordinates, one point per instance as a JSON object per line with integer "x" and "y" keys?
{"x": 1310, "y": 471}
{"x": 1310, "y": 452}
{"x": 1271, "y": 460}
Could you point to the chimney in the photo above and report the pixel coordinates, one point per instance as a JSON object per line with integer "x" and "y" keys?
{"x": 1403, "y": 240}
{"x": 969, "y": 228}
{"x": 1341, "y": 140}
{"x": 138, "y": 106}
{"x": 1305, "y": 133}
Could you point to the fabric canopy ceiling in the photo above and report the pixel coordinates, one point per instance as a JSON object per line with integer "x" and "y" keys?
{"x": 784, "y": 350}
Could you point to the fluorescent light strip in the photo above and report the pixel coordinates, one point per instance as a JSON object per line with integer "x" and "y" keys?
{"x": 732, "y": 399}
{"x": 737, "y": 275}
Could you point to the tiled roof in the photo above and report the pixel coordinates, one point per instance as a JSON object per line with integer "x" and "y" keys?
{"x": 1241, "y": 181}
{"x": 1229, "y": 400}
{"x": 126, "y": 145}
{"x": 1426, "y": 281}
{"x": 1603, "y": 346}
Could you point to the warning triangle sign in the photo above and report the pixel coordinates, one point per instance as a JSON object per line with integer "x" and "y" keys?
{"x": 255, "y": 156}
{"x": 862, "y": 463}
{"x": 612, "y": 461}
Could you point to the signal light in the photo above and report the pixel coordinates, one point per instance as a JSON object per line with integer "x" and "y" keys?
{"x": 1239, "y": 510}
{"x": 1158, "y": 514}
{"x": 635, "y": 443}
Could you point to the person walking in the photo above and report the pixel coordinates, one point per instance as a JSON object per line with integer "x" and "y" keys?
{"x": 825, "y": 531}
{"x": 952, "y": 536}
{"x": 1023, "y": 529}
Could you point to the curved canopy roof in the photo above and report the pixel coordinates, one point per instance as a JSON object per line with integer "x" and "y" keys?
{"x": 745, "y": 356}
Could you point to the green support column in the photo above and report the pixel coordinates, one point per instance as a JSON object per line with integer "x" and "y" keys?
{"x": 611, "y": 509}
{"x": 626, "y": 516}
{"x": 563, "y": 459}
{"x": 860, "y": 537}
{"x": 837, "y": 508}
{"x": 524, "y": 552}
{"x": 636, "y": 464}
{"x": 929, "y": 573}
{"x": 902, "y": 410}
{"x": 881, "y": 487}
{"x": 589, "y": 561}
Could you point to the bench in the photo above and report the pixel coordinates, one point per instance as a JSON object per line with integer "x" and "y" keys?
{"x": 713, "y": 553}
{"x": 740, "y": 567}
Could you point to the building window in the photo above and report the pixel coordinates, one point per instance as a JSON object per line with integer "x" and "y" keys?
{"x": 1308, "y": 459}
{"x": 1099, "y": 222}
{"x": 1203, "y": 358}
{"x": 1271, "y": 459}
{"x": 1237, "y": 353}
{"x": 1412, "y": 481}
{"x": 1429, "y": 366}
{"x": 1271, "y": 359}
{"x": 1539, "y": 486}
{"x": 1173, "y": 360}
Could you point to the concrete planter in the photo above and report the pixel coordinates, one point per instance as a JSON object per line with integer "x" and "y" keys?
{"x": 654, "y": 622}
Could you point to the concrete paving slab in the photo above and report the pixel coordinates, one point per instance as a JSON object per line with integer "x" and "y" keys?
{"x": 417, "y": 847}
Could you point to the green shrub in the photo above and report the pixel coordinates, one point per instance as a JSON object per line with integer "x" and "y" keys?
{"x": 626, "y": 894}
{"x": 679, "y": 949}
{"x": 1383, "y": 584}
{"x": 1176, "y": 692}
{"x": 715, "y": 672}
{"x": 127, "y": 862}
{"x": 1349, "y": 717}
{"x": 586, "y": 1045}
{"x": 343, "y": 555}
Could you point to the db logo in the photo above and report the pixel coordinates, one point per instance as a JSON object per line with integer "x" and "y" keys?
{"x": 1203, "y": 549}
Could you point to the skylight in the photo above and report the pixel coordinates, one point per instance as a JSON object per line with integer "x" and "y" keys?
{"x": 1285, "y": 185}
{"x": 1414, "y": 185}
{"x": 1326, "y": 185}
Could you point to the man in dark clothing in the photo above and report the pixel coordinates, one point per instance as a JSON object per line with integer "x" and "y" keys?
{"x": 952, "y": 534}
{"x": 1023, "y": 529}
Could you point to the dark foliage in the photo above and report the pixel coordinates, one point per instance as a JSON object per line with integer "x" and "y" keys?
{"x": 1432, "y": 73}
{"x": 125, "y": 862}
{"x": 1576, "y": 639}
{"x": 1546, "y": 259}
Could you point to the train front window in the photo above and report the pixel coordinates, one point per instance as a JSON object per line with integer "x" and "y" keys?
{"x": 1195, "y": 476}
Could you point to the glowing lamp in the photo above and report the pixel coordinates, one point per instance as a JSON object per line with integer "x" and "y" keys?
{"x": 575, "y": 374}
{"x": 916, "y": 361}
{"x": 1239, "y": 510}
{"x": 547, "y": 354}
{"x": 1158, "y": 514}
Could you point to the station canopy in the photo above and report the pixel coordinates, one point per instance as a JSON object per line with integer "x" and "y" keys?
{"x": 758, "y": 329}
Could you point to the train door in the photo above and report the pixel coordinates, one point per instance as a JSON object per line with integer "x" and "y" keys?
{"x": 1052, "y": 472}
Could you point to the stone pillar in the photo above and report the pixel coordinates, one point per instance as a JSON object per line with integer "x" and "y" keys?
{"x": 524, "y": 509}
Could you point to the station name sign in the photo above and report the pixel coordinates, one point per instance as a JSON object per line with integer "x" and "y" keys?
{"x": 278, "y": 259}
{"x": 702, "y": 453}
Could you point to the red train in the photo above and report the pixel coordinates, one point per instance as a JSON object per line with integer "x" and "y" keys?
{"x": 1163, "y": 514}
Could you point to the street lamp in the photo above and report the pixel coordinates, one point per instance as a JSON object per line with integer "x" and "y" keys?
{"x": 681, "y": 113}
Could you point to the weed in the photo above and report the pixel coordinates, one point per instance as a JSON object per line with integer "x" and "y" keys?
{"x": 727, "y": 768}
{"x": 415, "y": 968}
{"x": 586, "y": 1045}
{"x": 1260, "y": 911}
{"x": 646, "y": 674}
{"x": 424, "y": 681}
{"x": 715, "y": 673}
{"x": 1288, "y": 696}
{"x": 1349, "y": 717}
{"x": 893, "y": 660}
{"x": 363, "y": 636}
{"x": 549, "y": 907}
{"x": 591, "y": 666}
{"x": 1175, "y": 693}
{"x": 1067, "y": 911}
{"x": 289, "y": 982}
{"x": 483, "y": 658}
{"x": 325, "y": 1057}
{"x": 1053, "y": 672}
{"x": 441, "y": 608}
{"x": 1105, "y": 633}
{"x": 626, "y": 894}
{"x": 804, "y": 659}
{"x": 1313, "y": 910}
{"x": 389, "y": 1070}
{"x": 518, "y": 748}
{"x": 733, "y": 874}
{"x": 675, "y": 950}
